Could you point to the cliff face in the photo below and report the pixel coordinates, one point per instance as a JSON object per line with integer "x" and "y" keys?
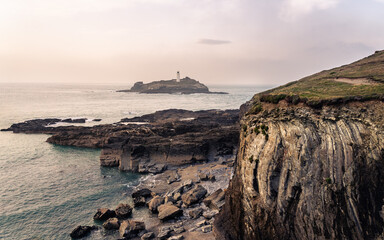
{"x": 308, "y": 172}
{"x": 318, "y": 174}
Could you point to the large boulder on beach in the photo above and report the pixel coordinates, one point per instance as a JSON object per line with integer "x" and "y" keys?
{"x": 103, "y": 214}
{"x": 112, "y": 223}
{"x": 216, "y": 200}
{"x": 139, "y": 202}
{"x": 145, "y": 192}
{"x": 123, "y": 210}
{"x": 194, "y": 195}
{"x": 130, "y": 228}
{"x": 81, "y": 231}
{"x": 155, "y": 203}
{"x": 195, "y": 213}
{"x": 168, "y": 211}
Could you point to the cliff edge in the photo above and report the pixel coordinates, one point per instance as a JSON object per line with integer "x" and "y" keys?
{"x": 311, "y": 159}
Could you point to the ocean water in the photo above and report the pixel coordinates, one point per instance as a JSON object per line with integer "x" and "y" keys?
{"x": 47, "y": 190}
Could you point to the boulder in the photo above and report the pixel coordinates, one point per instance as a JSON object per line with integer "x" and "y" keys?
{"x": 194, "y": 195}
{"x": 145, "y": 192}
{"x": 216, "y": 200}
{"x": 147, "y": 236}
{"x": 157, "y": 168}
{"x": 103, "y": 214}
{"x": 155, "y": 203}
{"x": 123, "y": 210}
{"x": 139, "y": 202}
{"x": 195, "y": 213}
{"x": 167, "y": 211}
{"x": 164, "y": 233}
{"x": 131, "y": 228}
{"x": 112, "y": 223}
{"x": 81, "y": 231}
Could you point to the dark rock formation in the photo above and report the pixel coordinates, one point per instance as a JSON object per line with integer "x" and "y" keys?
{"x": 130, "y": 228}
{"x": 139, "y": 202}
{"x": 155, "y": 203}
{"x": 82, "y": 231}
{"x": 145, "y": 192}
{"x": 185, "y": 86}
{"x": 170, "y": 138}
{"x": 112, "y": 224}
{"x": 307, "y": 173}
{"x": 123, "y": 211}
{"x": 216, "y": 200}
{"x": 169, "y": 211}
{"x": 195, "y": 213}
{"x": 103, "y": 214}
{"x": 41, "y": 125}
{"x": 194, "y": 195}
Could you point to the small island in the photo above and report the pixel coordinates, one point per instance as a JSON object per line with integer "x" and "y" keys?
{"x": 174, "y": 86}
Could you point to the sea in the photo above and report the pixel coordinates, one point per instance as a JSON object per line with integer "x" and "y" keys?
{"x": 47, "y": 190}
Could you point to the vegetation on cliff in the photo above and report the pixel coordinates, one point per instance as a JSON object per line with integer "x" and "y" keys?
{"x": 362, "y": 80}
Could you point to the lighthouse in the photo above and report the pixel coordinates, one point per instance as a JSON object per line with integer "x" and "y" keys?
{"x": 178, "y": 76}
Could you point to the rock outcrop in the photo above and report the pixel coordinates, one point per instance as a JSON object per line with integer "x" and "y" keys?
{"x": 82, "y": 231}
{"x": 308, "y": 171}
{"x": 185, "y": 86}
{"x": 167, "y": 138}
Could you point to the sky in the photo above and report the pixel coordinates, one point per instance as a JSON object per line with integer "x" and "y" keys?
{"x": 221, "y": 42}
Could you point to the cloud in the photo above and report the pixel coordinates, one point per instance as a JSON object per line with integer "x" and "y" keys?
{"x": 213, "y": 41}
{"x": 291, "y": 9}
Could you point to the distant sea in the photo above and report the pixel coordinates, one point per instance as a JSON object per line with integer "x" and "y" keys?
{"x": 47, "y": 190}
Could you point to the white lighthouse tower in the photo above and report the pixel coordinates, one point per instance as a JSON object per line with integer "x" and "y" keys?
{"x": 178, "y": 76}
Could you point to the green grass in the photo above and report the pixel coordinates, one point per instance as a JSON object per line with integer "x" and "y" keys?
{"x": 322, "y": 87}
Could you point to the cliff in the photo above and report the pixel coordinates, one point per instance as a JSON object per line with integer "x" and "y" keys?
{"x": 185, "y": 86}
{"x": 311, "y": 159}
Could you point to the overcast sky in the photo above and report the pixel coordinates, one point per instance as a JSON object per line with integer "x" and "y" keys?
{"x": 258, "y": 42}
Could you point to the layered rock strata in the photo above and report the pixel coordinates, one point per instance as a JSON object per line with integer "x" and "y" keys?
{"x": 306, "y": 173}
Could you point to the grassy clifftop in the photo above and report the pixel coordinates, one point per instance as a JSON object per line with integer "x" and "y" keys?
{"x": 363, "y": 79}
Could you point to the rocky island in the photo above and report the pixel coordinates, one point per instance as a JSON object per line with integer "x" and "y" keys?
{"x": 175, "y": 86}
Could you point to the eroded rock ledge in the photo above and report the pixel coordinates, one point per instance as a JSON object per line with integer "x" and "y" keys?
{"x": 163, "y": 139}
{"x": 305, "y": 173}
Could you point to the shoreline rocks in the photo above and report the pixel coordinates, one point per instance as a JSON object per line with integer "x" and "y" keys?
{"x": 82, "y": 231}
{"x": 103, "y": 214}
{"x": 168, "y": 139}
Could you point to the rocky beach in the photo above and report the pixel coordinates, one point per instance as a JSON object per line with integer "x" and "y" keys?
{"x": 188, "y": 157}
